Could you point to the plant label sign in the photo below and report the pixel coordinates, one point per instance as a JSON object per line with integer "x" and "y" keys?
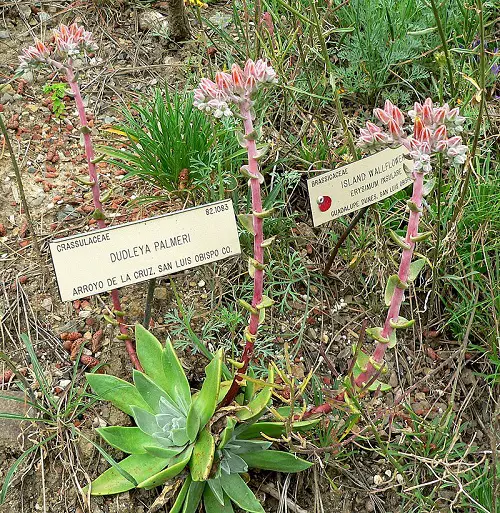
{"x": 106, "y": 259}
{"x": 362, "y": 183}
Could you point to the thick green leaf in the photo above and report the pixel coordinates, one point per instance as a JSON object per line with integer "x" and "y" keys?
{"x": 139, "y": 466}
{"x": 227, "y": 434}
{"x": 192, "y": 423}
{"x": 216, "y": 488}
{"x": 213, "y": 505}
{"x": 178, "y": 385}
{"x": 181, "y": 496}
{"x": 246, "y": 220}
{"x": 415, "y": 268}
{"x": 376, "y": 334}
{"x": 362, "y": 360}
{"x": 150, "y": 391}
{"x": 237, "y": 490}
{"x": 257, "y": 405}
{"x": 149, "y": 351}
{"x": 193, "y": 497}
{"x": 162, "y": 452}
{"x": 206, "y": 401}
{"x": 175, "y": 467}
{"x": 278, "y": 461}
{"x": 121, "y": 394}
{"x": 203, "y": 456}
{"x": 127, "y": 439}
{"x": 390, "y": 288}
{"x": 145, "y": 421}
{"x": 273, "y": 429}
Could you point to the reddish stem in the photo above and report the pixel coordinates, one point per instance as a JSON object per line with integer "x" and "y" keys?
{"x": 258, "y": 253}
{"x": 404, "y": 270}
{"x": 96, "y": 197}
{"x": 396, "y": 301}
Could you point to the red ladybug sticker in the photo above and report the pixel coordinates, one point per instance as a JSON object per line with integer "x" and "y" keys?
{"x": 324, "y": 203}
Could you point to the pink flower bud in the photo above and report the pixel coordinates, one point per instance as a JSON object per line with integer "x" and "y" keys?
{"x": 237, "y": 75}
{"x": 427, "y": 117}
{"x": 250, "y": 84}
{"x": 223, "y": 81}
{"x": 388, "y": 107}
{"x": 425, "y": 136}
{"x": 394, "y": 128}
{"x": 454, "y": 141}
{"x": 440, "y": 114}
{"x": 440, "y": 133}
{"x": 382, "y": 115}
{"x": 398, "y": 116}
{"x": 372, "y": 127}
{"x": 418, "y": 128}
{"x": 250, "y": 68}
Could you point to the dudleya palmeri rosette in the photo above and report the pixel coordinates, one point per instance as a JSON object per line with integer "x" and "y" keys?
{"x": 188, "y": 437}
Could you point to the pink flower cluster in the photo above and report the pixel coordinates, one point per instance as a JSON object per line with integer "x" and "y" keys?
{"x": 34, "y": 55}
{"x": 73, "y": 40}
{"x": 232, "y": 88}
{"x": 69, "y": 41}
{"x": 432, "y": 127}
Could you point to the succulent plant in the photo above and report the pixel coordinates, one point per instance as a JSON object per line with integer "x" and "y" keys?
{"x": 177, "y": 432}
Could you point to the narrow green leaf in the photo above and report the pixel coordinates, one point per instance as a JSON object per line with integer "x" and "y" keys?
{"x": 162, "y": 452}
{"x": 216, "y": 489}
{"x": 145, "y": 421}
{"x": 181, "y": 496}
{"x": 278, "y": 461}
{"x": 127, "y": 439}
{"x": 121, "y": 394}
{"x": 237, "y": 490}
{"x": 415, "y": 268}
{"x": 227, "y": 434}
{"x": 178, "y": 385}
{"x": 212, "y": 503}
{"x": 205, "y": 403}
{"x": 273, "y": 429}
{"x": 149, "y": 351}
{"x": 203, "y": 456}
{"x": 257, "y": 405}
{"x": 150, "y": 391}
{"x": 192, "y": 423}
{"x": 139, "y": 466}
{"x": 193, "y": 497}
{"x": 176, "y": 466}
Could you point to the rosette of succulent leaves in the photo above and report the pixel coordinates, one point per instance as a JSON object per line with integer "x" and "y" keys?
{"x": 189, "y": 437}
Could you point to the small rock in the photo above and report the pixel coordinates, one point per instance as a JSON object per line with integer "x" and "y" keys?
{"x": 377, "y": 479}
{"x": 44, "y": 17}
{"x": 7, "y": 89}
{"x": 369, "y": 506}
{"x": 11, "y": 429}
{"x": 47, "y": 304}
{"x": 201, "y": 284}
{"x": 109, "y": 120}
{"x": 6, "y": 98}
{"x": 150, "y": 20}
{"x": 4, "y": 34}
{"x": 160, "y": 293}
{"x": 64, "y": 383}
{"x": 24, "y": 9}
{"x": 66, "y": 213}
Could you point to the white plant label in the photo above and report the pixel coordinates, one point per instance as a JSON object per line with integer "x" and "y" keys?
{"x": 103, "y": 260}
{"x": 362, "y": 183}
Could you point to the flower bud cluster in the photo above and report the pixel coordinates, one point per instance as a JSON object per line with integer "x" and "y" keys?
{"x": 73, "y": 40}
{"x": 433, "y": 132}
{"x": 69, "y": 41}
{"x": 216, "y": 97}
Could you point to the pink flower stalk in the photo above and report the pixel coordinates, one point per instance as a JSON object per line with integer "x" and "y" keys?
{"x": 431, "y": 129}
{"x": 219, "y": 97}
{"x": 71, "y": 41}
